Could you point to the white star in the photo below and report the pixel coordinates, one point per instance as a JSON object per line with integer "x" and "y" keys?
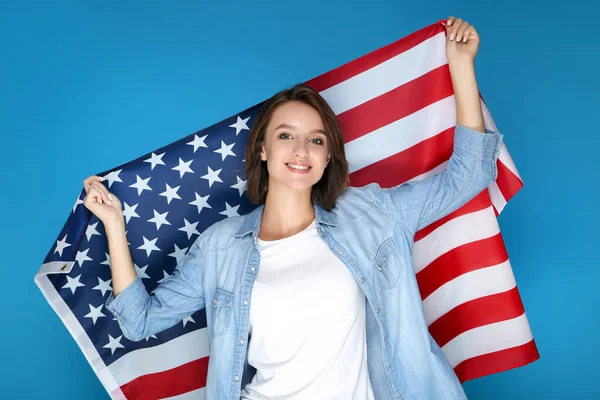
{"x": 198, "y": 142}
{"x": 91, "y": 231}
{"x": 113, "y": 177}
{"x": 141, "y": 184}
{"x": 183, "y": 167}
{"x": 171, "y": 193}
{"x": 103, "y": 286}
{"x": 225, "y": 150}
{"x": 73, "y": 283}
{"x": 178, "y": 253}
{"x": 61, "y": 245}
{"x": 151, "y": 336}
{"x": 107, "y": 261}
{"x": 78, "y": 202}
{"x": 239, "y": 125}
{"x": 230, "y": 211}
{"x": 201, "y": 202}
{"x": 82, "y": 256}
{"x": 240, "y": 185}
{"x": 113, "y": 344}
{"x": 129, "y": 211}
{"x": 165, "y": 276}
{"x": 190, "y": 229}
{"x": 141, "y": 272}
{"x": 95, "y": 313}
{"x": 154, "y": 160}
{"x": 212, "y": 176}
{"x": 159, "y": 219}
{"x": 188, "y": 319}
{"x": 149, "y": 246}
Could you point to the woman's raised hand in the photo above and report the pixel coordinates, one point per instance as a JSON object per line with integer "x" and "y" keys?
{"x": 102, "y": 203}
{"x": 462, "y": 41}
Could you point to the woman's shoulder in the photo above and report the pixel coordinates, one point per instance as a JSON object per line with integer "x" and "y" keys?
{"x": 221, "y": 233}
{"x": 352, "y": 197}
{"x": 356, "y": 195}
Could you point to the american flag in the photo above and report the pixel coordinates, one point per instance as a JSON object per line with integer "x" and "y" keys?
{"x": 397, "y": 110}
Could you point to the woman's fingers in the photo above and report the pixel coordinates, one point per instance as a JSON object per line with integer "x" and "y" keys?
{"x": 454, "y": 27}
{"x": 470, "y": 29}
{"x": 460, "y": 33}
{"x": 106, "y": 197}
{"x": 87, "y": 182}
{"x": 100, "y": 189}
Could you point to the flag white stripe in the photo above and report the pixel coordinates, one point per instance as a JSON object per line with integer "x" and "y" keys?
{"x": 454, "y": 233}
{"x": 504, "y": 156}
{"x": 174, "y": 353}
{"x": 390, "y": 74}
{"x": 79, "y": 335}
{"x": 487, "y": 339}
{"x": 496, "y": 196}
{"x": 199, "y": 394}
{"x": 469, "y": 286}
{"x": 401, "y": 135}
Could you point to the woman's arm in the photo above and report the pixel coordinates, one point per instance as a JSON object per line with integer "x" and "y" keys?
{"x": 461, "y": 62}
{"x": 138, "y": 313}
{"x": 472, "y": 165}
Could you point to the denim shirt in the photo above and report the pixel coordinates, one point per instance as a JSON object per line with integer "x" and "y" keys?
{"x": 371, "y": 230}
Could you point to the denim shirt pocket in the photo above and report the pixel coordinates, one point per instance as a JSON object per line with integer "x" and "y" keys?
{"x": 388, "y": 264}
{"x": 222, "y": 310}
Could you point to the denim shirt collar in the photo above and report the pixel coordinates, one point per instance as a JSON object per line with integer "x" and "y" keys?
{"x": 251, "y": 221}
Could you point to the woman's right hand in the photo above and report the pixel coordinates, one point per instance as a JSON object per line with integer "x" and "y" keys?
{"x": 102, "y": 203}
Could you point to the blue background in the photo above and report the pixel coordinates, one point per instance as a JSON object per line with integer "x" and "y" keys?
{"x": 86, "y": 86}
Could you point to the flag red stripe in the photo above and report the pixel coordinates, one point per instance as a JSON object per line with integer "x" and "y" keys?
{"x": 478, "y": 312}
{"x": 507, "y": 181}
{"x": 179, "y": 380}
{"x": 477, "y": 203}
{"x": 497, "y": 361}
{"x": 374, "y": 58}
{"x": 407, "y": 164}
{"x": 397, "y": 103}
{"x": 466, "y": 258}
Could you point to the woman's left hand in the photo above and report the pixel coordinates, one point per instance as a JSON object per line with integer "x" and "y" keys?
{"x": 462, "y": 40}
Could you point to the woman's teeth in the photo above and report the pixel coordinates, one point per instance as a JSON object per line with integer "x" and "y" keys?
{"x": 297, "y": 166}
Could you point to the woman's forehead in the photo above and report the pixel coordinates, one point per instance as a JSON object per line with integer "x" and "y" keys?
{"x": 297, "y": 116}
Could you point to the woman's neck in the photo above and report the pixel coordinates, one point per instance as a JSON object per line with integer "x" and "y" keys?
{"x": 285, "y": 214}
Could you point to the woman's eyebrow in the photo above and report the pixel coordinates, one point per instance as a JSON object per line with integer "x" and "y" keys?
{"x": 286, "y": 126}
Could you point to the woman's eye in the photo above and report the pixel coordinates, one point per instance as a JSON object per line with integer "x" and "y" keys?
{"x": 284, "y": 136}
{"x": 317, "y": 141}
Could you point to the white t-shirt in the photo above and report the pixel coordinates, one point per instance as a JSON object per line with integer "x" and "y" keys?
{"x": 307, "y": 324}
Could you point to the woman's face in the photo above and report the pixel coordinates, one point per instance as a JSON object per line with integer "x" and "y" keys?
{"x": 295, "y": 146}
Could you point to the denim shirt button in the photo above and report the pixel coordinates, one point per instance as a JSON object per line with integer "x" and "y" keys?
{"x": 363, "y": 280}
{"x": 252, "y": 269}
{"x": 340, "y": 252}
{"x": 377, "y": 310}
{"x": 245, "y": 301}
{"x": 399, "y": 395}
{"x": 237, "y": 378}
{"x": 242, "y": 341}
{"x": 389, "y": 365}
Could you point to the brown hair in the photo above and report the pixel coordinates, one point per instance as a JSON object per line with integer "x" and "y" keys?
{"x": 335, "y": 176}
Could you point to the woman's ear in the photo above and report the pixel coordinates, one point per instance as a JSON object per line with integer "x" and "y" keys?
{"x": 263, "y": 154}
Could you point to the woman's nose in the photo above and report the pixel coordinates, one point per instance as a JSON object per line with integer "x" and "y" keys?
{"x": 300, "y": 150}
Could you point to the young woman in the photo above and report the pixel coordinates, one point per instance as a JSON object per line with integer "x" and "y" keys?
{"x": 313, "y": 295}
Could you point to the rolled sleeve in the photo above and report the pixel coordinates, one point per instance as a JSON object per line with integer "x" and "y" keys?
{"x": 130, "y": 301}
{"x": 472, "y": 143}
